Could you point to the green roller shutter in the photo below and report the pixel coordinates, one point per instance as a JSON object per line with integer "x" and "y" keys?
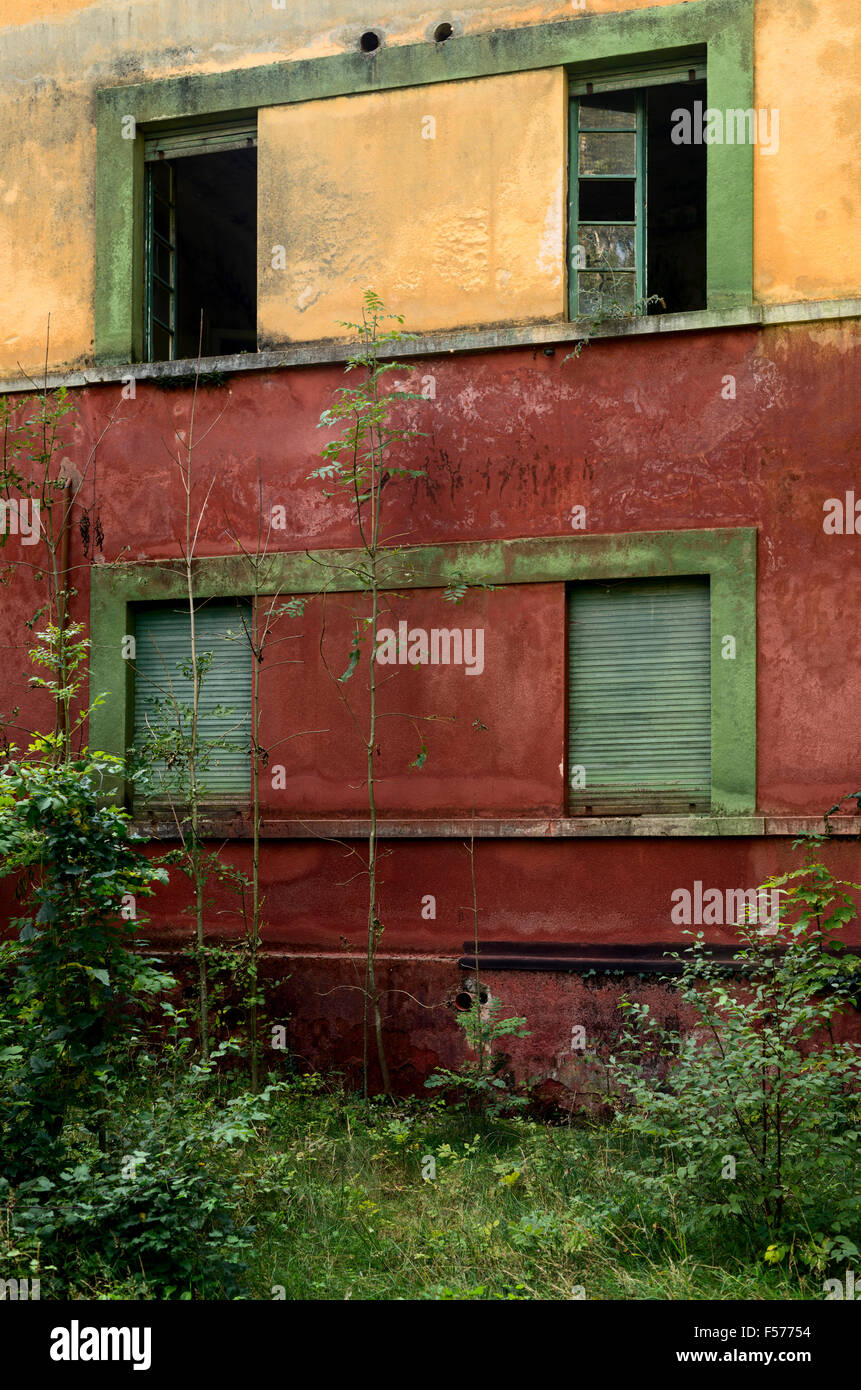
{"x": 163, "y": 648}
{"x": 639, "y": 692}
{"x": 209, "y": 137}
{"x": 647, "y": 74}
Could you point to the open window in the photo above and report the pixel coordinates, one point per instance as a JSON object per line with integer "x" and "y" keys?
{"x": 637, "y": 206}
{"x": 200, "y": 240}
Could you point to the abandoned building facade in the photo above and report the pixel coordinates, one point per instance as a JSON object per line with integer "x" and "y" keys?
{"x": 621, "y": 649}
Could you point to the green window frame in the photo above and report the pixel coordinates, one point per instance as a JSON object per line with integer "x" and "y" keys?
{"x": 162, "y": 693}
{"x": 596, "y": 142}
{"x": 726, "y": 555}
{"x": 593, "y": 282}
{"x": 584, "y": 45}
{"x": 160, "y": 263}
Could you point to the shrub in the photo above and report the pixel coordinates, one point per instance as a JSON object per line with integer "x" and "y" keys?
{"x": 484, "y": 1084}
{"x": 76, "y": 974}
{"x": 757, "y": 1117}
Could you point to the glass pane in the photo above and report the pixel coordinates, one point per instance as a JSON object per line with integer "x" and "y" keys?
{"x": 607, "y": 246}
{"x": 161, "y": 218}
{"x": 161, "y": 349}
{"x": 162, "y": 303}
{"x": 611, "y": 154}
{"x": 162, "y": 259}
{"x": 606, "y": 293}
{"x": 612, "y": 111}
{"x": 160, "y": 173}
{"x": 607, "y": 200}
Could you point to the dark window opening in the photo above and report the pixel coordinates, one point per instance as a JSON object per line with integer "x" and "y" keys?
{"x": 606, "y": 200}
{"x": 676, "y": 203}
{"x": 201, "y": 254}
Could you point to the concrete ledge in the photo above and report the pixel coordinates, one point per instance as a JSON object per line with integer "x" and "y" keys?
{"x": 494, "y": 336}
{"x": 224, "y": 824}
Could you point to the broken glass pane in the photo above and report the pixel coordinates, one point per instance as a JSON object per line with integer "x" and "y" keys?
{"x": 606, "y": 293}
{"x": 612, "y": 247}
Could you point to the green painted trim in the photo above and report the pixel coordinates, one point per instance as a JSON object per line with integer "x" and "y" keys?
{"x": 725, "y": 27}
{"x": 640, "y": 200}
{"x": 572, "y": 230}
{"x": 728, "y": 556}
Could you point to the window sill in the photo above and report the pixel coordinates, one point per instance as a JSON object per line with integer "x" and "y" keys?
{"x": 561, "y": 334}
{"x": 236, "y": 824}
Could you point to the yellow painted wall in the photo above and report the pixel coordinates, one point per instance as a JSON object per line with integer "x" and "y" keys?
{"x": 57, "y": 52}
{"x": 807, "y": 197}
{"x": 449, "y": 200}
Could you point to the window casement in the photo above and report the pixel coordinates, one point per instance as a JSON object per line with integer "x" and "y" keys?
{"x": 200, "y": 240}
{"x": 637, "y": 199}
{"x": 163, "y": 693}
{"x": 639, "y": 704}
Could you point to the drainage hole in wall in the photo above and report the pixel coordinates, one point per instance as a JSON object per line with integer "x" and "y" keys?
{"x": 369, "y": 42}
{"x": 442, "y": 32}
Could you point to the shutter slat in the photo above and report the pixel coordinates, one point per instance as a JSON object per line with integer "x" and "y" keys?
{"x": 207, "y": 138}
{"x": 649, "y": 74}
{"x": 640, "y": 698}
{"x": 163, "y": 646}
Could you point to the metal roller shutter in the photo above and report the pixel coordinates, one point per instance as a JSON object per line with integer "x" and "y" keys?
{"x": 639, "y": 697}
{"x": 163, "y": 648}
{"x": 648, "y": 74}
{"x": 210, "y": 137}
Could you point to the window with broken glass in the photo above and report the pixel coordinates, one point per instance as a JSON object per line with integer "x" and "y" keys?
{"x": 637, "y": 199}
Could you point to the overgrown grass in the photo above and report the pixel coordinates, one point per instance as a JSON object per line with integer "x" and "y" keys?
{"x": 311, "y": 1193}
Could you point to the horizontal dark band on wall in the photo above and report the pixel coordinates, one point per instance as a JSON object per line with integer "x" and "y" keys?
{"x": 621, "y": 959}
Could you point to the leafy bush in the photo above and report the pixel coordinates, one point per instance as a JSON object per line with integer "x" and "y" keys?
{"x": 163, "y": 1214}
{"x": 76, "y": 974}
{"x": 757, "y": 1117}
{"x": 484, "y": 1083}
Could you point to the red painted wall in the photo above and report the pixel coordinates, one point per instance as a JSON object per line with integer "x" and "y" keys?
{"x": 639, "y": 432}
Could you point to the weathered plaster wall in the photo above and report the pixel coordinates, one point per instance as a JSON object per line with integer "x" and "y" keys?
{"x": 449, "y": 200}
{"x": 56, "y": 56}
{"x": 807, "y": 196}
{"x": 640, "y": 433}
{"x": 637, "y": 432}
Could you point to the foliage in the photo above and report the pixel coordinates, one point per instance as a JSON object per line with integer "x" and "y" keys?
{"x": 612, "y": 310}
{"x": 483, "y": 1082}
{"x": 756, "y": 1117}
{"x": 32, "y": 472}
{"x": 175, "y": 754}
{"x": 359, "y": 462}
{"x": 77, "y": 974}
{"x": 162, "y": 1214}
